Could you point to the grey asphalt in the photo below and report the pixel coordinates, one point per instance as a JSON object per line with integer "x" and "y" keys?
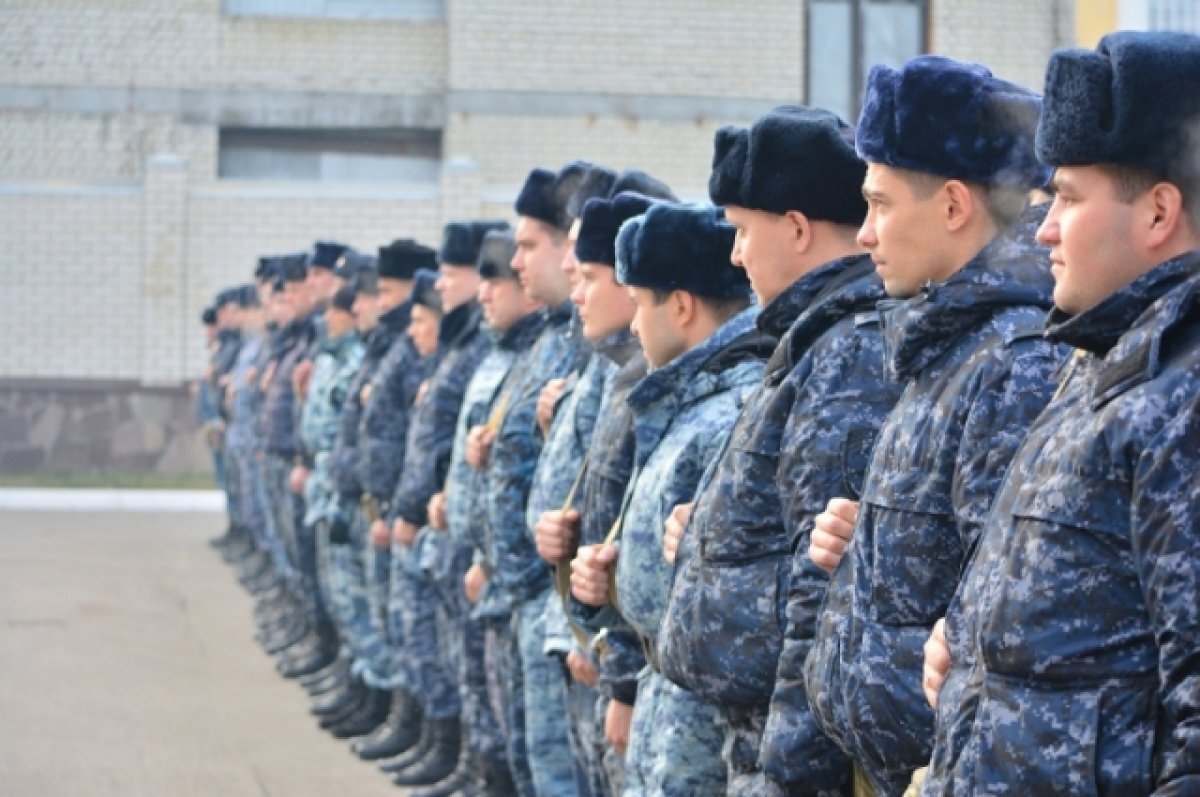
{"x": 127, "y": 668}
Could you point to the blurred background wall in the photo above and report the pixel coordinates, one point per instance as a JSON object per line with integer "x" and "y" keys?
{"x": 151, "y": 150}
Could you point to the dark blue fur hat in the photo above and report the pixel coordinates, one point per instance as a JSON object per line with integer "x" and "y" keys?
{"x": 680, "y": 247}
{"x": 423, "y": 291}
{"x": 294, "y": 268}
{"x": 461, "y": 241}
{"x": 1134, "y": 101}
{"x": 546, "y": 196}
{"x": 325, "y": 254}
{"x": 401, "y": 258}
{"x": 496, "y": 254}
{"x": 953, "y": 119}
{"x": 791, "y": 158}
{"x": 343, "y": 299}
{"x": 596, "y": 241}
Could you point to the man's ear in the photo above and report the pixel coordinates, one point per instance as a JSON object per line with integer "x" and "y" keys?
{"x": 801, "y": 230}
{"x": 684, "y": 308}
{"x": 959, "y": 205}
{"x": 1164, "y": 214}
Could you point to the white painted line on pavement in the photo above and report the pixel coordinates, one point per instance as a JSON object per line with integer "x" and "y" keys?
{"x": 80, "y": 500}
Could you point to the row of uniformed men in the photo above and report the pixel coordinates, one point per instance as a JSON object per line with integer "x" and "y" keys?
{"x": 714, "y": 556}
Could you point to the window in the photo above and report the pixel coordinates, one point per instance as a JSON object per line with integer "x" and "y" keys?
{"x": 415, "y": 10}
{"x": 847, "y": 37}
{"x": 374, "y": 155}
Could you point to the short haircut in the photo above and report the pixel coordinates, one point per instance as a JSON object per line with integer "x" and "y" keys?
{"x": 1133, "y": 181}
{"x": 721, "y": 309}
{"x": 1004, "y": 204}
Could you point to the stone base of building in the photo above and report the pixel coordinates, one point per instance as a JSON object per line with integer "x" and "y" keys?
{"x": 99, "y": 425}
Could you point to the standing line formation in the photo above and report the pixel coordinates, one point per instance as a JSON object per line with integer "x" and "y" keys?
{"x": 878, "y": 475}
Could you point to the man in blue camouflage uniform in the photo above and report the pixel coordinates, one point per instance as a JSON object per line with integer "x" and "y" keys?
{"x": 241, "y": 401}
{"x": 745, "y": 601}
{"x": 1074, "y": 634}
{"x": 518, "y": 580}
{"x": 413, "y": 599}
{"x": 516, "y": 321}
{"x": 950, "y": 161}
{"x": 575, "y": 406}
{"x": 290, "y": 628}
{"x": 234, "y": 543}
{"x": 333, "y": 370}
{"x": 698, "y": 333}
{"x": 386, "y": 397}
{"x": 593, "y": 422}
{"x": 271, "y": 587}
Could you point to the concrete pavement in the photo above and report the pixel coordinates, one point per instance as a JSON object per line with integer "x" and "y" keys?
{"x": 127, "y": 668}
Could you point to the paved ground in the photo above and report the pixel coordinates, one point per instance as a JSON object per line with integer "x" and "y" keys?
{"x": 126, "y": 668}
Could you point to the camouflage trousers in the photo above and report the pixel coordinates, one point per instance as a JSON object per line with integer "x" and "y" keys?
{"x": 266, "y": 532}
{"x": 674, "y": 743}
{"x": 358, "y": 592}
{"x": 585, "y": 732}
{"x": 462, "y": 643}
{"x": 743, "y": 732}
{"x": 536, "y": 702}
{"x": 231, "y": 484}
{"x": 285, "y": 508}
{"x": 414, "y": 604}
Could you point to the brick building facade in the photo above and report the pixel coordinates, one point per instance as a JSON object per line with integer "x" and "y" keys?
{"x": 150, "y": 150}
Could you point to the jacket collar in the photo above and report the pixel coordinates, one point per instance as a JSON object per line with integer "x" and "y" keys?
{"x": 814, "y": 303}
{"x": 1012, "y": 270}
{"x": 1127, "y": 329}
{"x": 691, "y": 376}
{"x": 458, "y": 324}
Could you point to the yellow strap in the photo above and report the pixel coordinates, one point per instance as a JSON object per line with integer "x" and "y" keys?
{"x": 1079, "y": 356}
{"x": 496, "y": 419}
{"x": 562, "y": 568}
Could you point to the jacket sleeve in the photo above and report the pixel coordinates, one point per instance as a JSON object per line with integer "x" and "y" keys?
{"x": 826, "y": 446}
{"x": 1166, "y": 540}
{"x": 429, "y": 448}
{"x": 386, "y": 425}
{"x": 514, "y": 457}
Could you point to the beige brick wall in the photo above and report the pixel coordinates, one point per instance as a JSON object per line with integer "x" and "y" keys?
{"x": 679, "y": 153}
{"x": 69, "y": 293}
{"x": 191, "y": 44}
{"x": 1014, "y": 38}
{"x": 35, "y": 145}
{"x": 695, "y": 48}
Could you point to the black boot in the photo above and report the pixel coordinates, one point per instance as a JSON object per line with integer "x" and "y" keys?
{"x": 399, "y": 732}
{"x": 464, "y": 775}
{"x": 441, "y": 759}
{"x": 414, "y": 753}
{"x": 339, "y": 668}
{"x": 492, "y": 778}
{"x": 370, "y": 715}
{"x": 336, "y": 701}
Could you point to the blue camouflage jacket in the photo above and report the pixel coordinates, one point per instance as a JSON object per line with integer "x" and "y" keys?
{"x": 386, "y": 415}
{"x": 516, "y": 572}
{"x": 561, "y": 465}
{"x": 682, "y": 413}
{"x": 279, "y": 410}
{"x": 746, "y": 591}
{"x": 462, "y": 345}
{"x": 467, "y": 512}
{"x": 320, "y": 419}
{"x": 1075, "y": 634}
{"x": 346, "y": 456}
{"x": 618, "y": 654}
{"x": 246, "y": 397}
{"x": 976, "y": 371}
